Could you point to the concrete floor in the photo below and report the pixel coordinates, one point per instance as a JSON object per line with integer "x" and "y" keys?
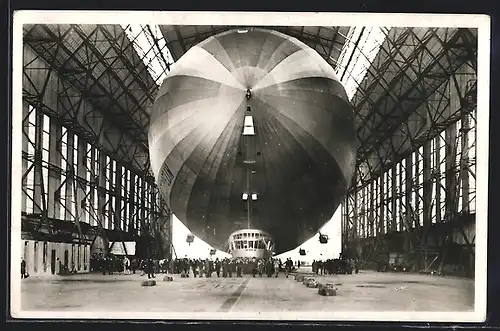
{"x": 367, "y": 291}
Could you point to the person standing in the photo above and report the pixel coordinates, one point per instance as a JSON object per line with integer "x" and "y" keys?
{"x": 239, "y": 266}
{"x": 23, "y": 269}
{"x": 230, "y": 265}
{"x": 224, "y": 268}
{"x": 199, "y": 268}
{"x": 150, "y": 268}
{"x": 208, "y": 268}
{"x": 126, "y": 265}
{"x": 254, "y": 267}
{"x": 194, "y": 267}
{"x": 261, "y": 267}
{"x": 288, "y": 266}
{"x": 276, "y": 268}
{"x": 269, "y": 268}
{"x": 217, "y": 267}
{"x": 133, "y": 265}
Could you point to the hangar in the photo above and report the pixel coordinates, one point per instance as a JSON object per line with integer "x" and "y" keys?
{"x": 87, "y": 184}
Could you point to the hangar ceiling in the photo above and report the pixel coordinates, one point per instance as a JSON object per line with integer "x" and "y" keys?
{"x": 118, "y": 70}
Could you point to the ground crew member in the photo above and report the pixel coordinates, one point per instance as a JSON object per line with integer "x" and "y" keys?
{"x": 208, "y": 268}
{"x": 150, "y": 268}
{"x": 217, "y": 267}
{"x": 194, "y": 267}
{"x": 261, "y": 267}
{"x": 254, "y": 265}
{"x": 288, "y": 266}
{"x": 276, "y": 268}
{"x": 23, "y": 268}
{"x": 230, "y": 268}
{"x": 238, "y": 268}
{"x": 224, "y": 268}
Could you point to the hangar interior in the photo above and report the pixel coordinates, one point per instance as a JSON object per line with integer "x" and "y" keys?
{"x": 86, "y": 177}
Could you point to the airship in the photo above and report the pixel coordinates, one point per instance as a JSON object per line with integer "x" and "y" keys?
{"x": 252, "y": 129}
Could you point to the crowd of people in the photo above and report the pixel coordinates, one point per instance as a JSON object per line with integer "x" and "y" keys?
{"x": 335, "y": 266}
{"x": 226, "y": 267}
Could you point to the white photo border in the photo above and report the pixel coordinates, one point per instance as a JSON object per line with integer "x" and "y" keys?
{"x": 481, "y": 22}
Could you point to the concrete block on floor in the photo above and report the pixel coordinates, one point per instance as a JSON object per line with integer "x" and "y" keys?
{"x": 312, "y": 283}
{"x": 148, "y": 282}
{"x": 306, "y": 280}
{"x": 327, "y": 290}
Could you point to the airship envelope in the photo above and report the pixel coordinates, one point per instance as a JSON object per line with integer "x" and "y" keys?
{"x": 259, "y": 115}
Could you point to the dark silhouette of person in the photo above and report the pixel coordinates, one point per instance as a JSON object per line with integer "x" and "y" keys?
{"x": 150, "y": 268}
{"x": 217, "y": 267}
{"x": 288, "y": 265}
{"x": 230, "y": 265}
{"x": 23, "y": 269}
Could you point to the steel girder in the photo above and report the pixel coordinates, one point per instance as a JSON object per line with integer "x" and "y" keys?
{"x": 66, "y": 102}
{"x": 87, "y": 70}
{"x": 405, "y": 113}
{"x": 449, "y": 98}
{"x": 77, "y": 191}
{"x": 327, "y": 41}
{"x": 51, "y": 93}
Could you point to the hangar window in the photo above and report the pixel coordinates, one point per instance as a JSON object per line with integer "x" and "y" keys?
{"x": 96, "y": 170}
{"x": 64, "y": 158}
{"x": 421, "y": 186}
{"x": 433, "y": 186}
{"x": 398, "y": 197}
{"x": 45, "y": 150}
{"x": 377, "y": 205}
{"x": 442, "y": 171}
{"x": 29, "y": 185}
{"x": 363, "y": 44}
{"x": 143, "y": 39}
{"x": 471, "y": 155}
{"x": 389, "y": 201}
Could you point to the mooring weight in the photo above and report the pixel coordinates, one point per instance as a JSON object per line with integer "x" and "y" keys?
{"x": 148, "y": 282}
{"x": 327, "y": 290}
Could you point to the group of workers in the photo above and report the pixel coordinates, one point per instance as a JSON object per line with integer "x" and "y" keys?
{"x": 226, "y": 267}
{"x": 207, "y": 267}
{"x": 335, "y": 266}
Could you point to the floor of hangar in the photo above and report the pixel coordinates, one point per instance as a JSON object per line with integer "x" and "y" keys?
{"x": 366, "y": 291}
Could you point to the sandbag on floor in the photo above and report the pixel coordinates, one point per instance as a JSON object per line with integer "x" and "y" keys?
{"x": 148, "y": 282}
{"x": 327, "y": 290}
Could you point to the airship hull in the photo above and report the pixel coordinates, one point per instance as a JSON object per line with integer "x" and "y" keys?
{"x": 296, "y": 159}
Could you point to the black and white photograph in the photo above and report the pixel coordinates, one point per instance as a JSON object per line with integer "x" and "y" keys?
{"x": 249, "y": 166}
